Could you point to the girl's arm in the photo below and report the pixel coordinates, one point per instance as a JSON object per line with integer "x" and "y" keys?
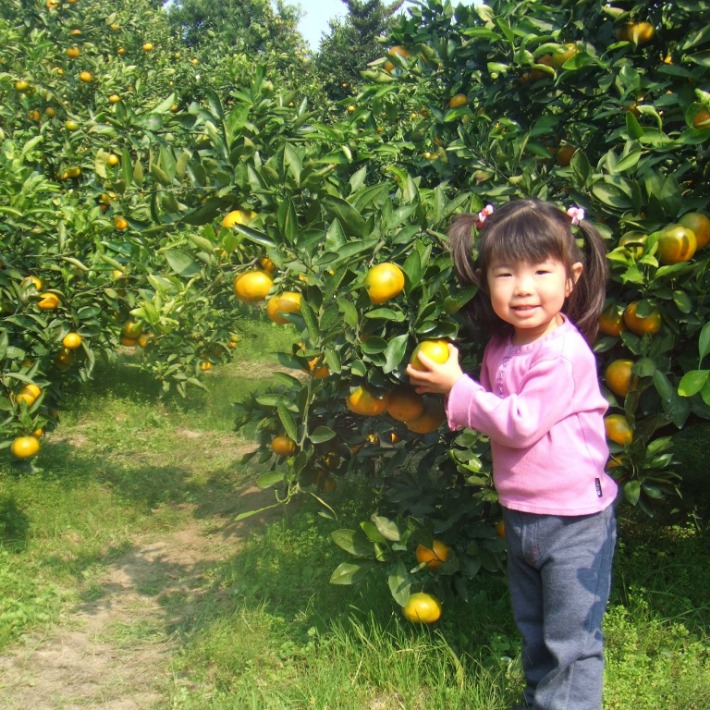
{"x": 518, "y": 420}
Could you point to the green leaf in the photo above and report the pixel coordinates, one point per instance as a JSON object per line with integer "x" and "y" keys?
{"x": 399, "y": 583}
{"x": 347, "y": 573}
{"x": 675, "y": 407}
{"x": 394, "y": 352}
{"x": 288, "y": 220}
{"x": 309, "y": 318}
{"x": 293, "y": 162}
{"x": 321, "y": 434}
{"x": 387, "y": 527}
{"x": 632, "y": 491}
{"x": 353, "y": 542}
{"x": 373, "y": 534}
{"x": 692, "y": 382}
{"x": 350, "y": 219}
{"x": 386, "y": 314}
{"x": 270, "y": 479}
{"x": 182, "y": 263}
{"x": 288, "y": 421}
{"x": 704, "y": 341}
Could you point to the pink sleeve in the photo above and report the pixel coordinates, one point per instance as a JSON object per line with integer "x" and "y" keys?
{"x": 519, "y": 420}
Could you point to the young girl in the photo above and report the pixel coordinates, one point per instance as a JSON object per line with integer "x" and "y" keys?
{"x": 539, "y": 401}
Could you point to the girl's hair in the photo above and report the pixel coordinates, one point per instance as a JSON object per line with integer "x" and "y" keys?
{"x": 530, "y": 230}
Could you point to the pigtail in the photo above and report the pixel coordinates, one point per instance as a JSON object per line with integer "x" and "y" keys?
{"x": 461, "y": 245}
{"x": 586, "y": 302}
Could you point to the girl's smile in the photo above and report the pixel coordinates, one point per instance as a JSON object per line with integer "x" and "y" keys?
{"x": 530, "y": 296}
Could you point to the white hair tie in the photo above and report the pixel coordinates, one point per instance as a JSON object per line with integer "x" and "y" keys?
{"x": 484, "y": 214}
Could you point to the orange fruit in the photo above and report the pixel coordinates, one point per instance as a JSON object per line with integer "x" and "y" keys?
{"x": 563, "y": 155}
{"x": 286, "y": 302}
{"x": 405, "y": 404}
{"x": 72, "y": 341}
{"x": 363, "y": 401}
{"x": 701, "y": 119}
{"x": 437, "y": 350}
{"x": 618, "y": 429}
{"x": 24, "y": 447}
{"x": 73, "y": 52}
{"x": 618, "y": 376}
{"x": 238, "y": 217}
{"x": 429, "y": 421}
{"x": 114, "y": 99}
{"x": 205, "y": 365}
{"x": 559, "y": 58}
{"x": 48, "y": 301}
{"x": 35, "y": 281}
{"x": 148, "y": 47}
{"x": 64, "y": 359}
{"x": 128, "y": 342}
{"x": 500, "y": 528}
{"x": 651, "y": 324}
{"x": 283, "y": 445}
{"x": 131, "y": 329}
{"x": 267, "y": 264}
{"x": 422, "y": 608}
{"x": 120, "y": 222}
{"x": 32, "y": 389}
{"x": 25, "y": 398}
{"x": 699, "y": 224}
{"x": 638, "y": 32}
{"x": 113, "y": 160}
{"x": 384, "y": 281}
{"x": 86, "y": 77}
{"x": 676, "y": 244}
{"x": 433, "y": 556}
{"x": 252, "y": 286}
{"x": 318, "y": 371}
{"x": 397, "y": 50}
{"x": 611, "y": 321}
{"x": 458, "y": 100}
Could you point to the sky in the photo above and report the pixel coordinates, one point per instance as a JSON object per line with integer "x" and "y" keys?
{"x": 316, "y": 15}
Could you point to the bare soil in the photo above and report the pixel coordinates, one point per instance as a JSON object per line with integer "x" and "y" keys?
{"x": 114, "y": 652}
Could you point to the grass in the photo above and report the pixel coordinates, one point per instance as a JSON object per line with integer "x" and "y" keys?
{"x": 263, "y": 628}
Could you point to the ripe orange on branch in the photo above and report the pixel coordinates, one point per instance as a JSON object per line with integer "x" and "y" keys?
{"x": 611, "y": 321}
{"x": 430, "y": 420}
{"x": 363, "y": 401}
{"x": 72, "y": 341}
{"x": 286, "y": 302}
{"x": 699, "y": 224}
{"x": 639, "y": 325}
{"x": 433, "y": 556}
{"x": 437, "y": 350}
{"x": 618, "y": 429}
{"x": 252, "y": 286}
{"x": 48, "y": 302}
{"x": 283, "y": 445}
{"x": 405, "y": 404}
{"x": 238, "y": 217}
{"x": 676, "y": 244}
{"x": 618, "y": 376}
{"x": 422, "y": 608}
{"x": 384, "y": 281}
{"x": 24, "y": 447}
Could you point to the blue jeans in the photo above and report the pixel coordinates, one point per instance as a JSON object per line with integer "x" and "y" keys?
{"x": 559, "y": 572}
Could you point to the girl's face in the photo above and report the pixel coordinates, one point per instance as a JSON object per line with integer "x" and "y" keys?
{"x": 530, "y": 296}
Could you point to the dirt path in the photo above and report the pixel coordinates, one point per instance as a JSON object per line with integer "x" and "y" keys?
{"x": 114, "y": 653}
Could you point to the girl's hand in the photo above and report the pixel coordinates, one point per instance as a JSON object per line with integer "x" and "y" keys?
{"x": 436, "y": 379}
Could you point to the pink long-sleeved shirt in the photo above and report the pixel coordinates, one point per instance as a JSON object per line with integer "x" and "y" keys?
{"x": 542, "y": 408}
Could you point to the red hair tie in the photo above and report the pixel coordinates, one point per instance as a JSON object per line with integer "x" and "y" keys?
{"x": 483, "y": 215}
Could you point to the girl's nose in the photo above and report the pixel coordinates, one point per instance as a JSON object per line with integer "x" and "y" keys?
{"x": 523, "y": 285}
